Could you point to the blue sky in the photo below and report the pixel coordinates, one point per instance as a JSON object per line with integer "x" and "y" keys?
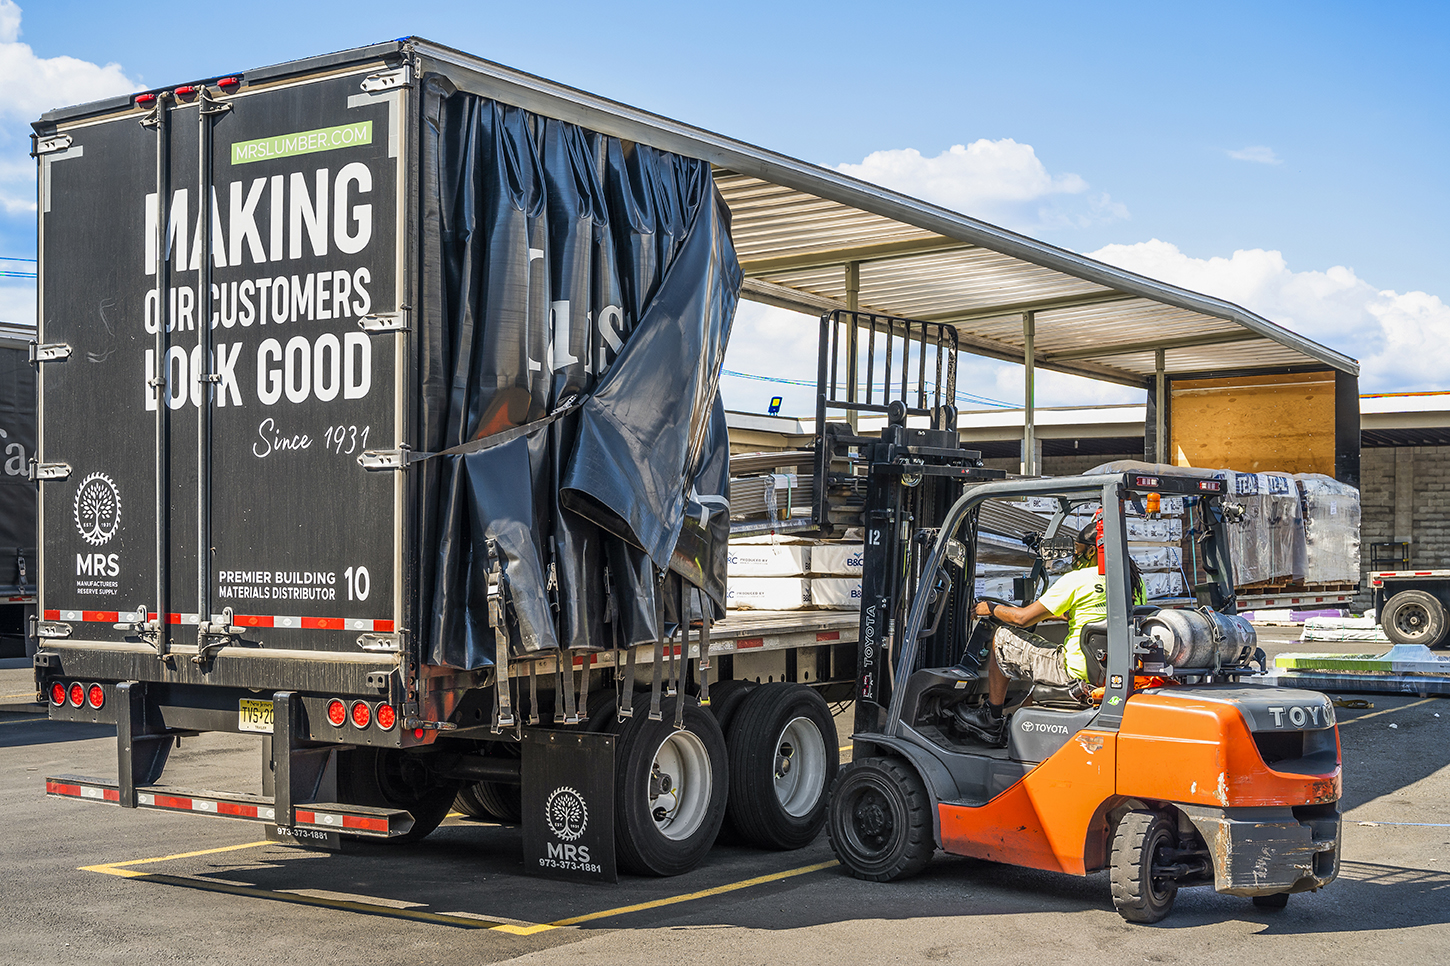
{"x": 1289, "y": 156}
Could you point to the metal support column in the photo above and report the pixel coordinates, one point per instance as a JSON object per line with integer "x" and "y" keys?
{"x": 1160, "y": 397}
{"x": 853, "y": 303}
{"x": 1029, "y": 424}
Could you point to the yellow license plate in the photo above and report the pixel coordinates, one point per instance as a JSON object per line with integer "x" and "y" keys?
{"x": 255, "y": 716}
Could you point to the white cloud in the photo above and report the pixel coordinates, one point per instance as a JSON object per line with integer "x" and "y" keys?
{"x": 34, "y": 85}
{"x": 1257, "y": 153}
{"x": 1002, "y": 182}
{"x": 17, "y": 299}
{"x": 1401, "y": 339}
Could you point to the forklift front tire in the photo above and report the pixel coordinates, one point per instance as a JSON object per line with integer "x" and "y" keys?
{"x": 1139, "y": 895}
{"x": 879, "y": 821}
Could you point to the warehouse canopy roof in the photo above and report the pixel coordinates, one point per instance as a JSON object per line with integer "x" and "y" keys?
{"x": 798, "y": 226}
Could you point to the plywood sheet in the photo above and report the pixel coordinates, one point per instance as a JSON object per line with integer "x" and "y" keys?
{"x": 1255, "y": 424}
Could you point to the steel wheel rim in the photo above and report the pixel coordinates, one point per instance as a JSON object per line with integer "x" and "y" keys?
{"x": 1413, "y": 620}
{"x": 680, "y": 810}
{"x": 799, "y": 766}
{"x": 870, "y": 822}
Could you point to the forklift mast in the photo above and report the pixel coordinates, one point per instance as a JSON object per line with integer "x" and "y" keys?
{"x": 898, "y": 483}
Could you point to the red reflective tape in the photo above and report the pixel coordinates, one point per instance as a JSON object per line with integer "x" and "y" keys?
{"x": 306, "y": 818}
{"x": 100, "y": 616}
{"x": 366, "y": 824}
{"x": 61, "y": 788}
{"x": 749, "y": 642}
{"x": 323, "y": 623}
{"x": 383, "y": 627}
{"x": 828, "y": 635}
{"x": 173, "y": 618}
{"x": 232, "y": 808}
{"x": 168, "y": 801}
{"x": 252, "y": 620}
{"x": 52, "y": 615}
{"x": 111, "y": 794}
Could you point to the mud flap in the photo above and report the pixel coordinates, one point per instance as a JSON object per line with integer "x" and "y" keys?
{"x": 568, "y": 805}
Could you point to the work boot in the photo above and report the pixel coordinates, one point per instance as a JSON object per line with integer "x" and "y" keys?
{"x": 981, "y": 724}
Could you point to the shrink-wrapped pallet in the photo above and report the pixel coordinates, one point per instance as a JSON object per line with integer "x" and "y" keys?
{"x": 1328, "y": 548}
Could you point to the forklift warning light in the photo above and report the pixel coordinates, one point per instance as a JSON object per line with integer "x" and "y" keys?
{"x": 1147, "y": 482}
{"x": 1211, "y": 486}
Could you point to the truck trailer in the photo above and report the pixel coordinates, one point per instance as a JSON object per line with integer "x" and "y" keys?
{"x": 399, "y": 445}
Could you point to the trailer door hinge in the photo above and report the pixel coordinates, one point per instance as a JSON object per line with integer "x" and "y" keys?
{"x": 380, "y": 643}
{"x": 384, "y": 459}
{"x": 48, "y": 471}
{"x": 392, "y": 322}
{"x": 386, "y": 80}
{"x": 52, "y": 629}
{"x": 49, "y": 352}
{"x": 50, "y": 145}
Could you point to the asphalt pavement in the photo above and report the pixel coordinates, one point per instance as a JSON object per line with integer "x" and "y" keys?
{"x": 88, "y": 883}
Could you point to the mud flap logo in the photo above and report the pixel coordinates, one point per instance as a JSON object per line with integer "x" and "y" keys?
{"x": 97, "y": 509}
{"x": 566, "y": 814}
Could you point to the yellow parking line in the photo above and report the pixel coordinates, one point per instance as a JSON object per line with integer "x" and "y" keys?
{"x": 117, "y": 868}
{"x": 28, "y": 695}
{"x": 31, "y": 720}
{"x": 1376, "y": 714}
{"x": 669, "y": 901}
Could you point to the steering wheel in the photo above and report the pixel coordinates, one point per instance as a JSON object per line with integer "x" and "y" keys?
{"x": 993, "y": 600}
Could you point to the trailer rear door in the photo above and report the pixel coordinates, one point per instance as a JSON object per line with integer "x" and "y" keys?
{"x": 243, "y": 436}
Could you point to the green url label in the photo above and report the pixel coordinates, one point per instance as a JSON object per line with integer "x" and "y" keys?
{"x": 303, "y": 142}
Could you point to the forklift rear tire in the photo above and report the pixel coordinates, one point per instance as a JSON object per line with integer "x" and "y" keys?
{"x": 783, "y": 758}
{"x": 389, "y": 778}
{"x": 880, "y": 823}
{"x": 670, "y": 788}
{"x": 1414, "y": 617}
{"x": 1138, "y": 895}
{"x": 1276, "y": 901}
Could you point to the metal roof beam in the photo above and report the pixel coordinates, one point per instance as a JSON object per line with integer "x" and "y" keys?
{"x": 841, "y": 256}
{"x": 785, "y": 297}
{"x": 1041, "y": 305}
{"x": 1128, "y": 348}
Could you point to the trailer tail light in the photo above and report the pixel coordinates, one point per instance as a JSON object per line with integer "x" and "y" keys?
{"x": 145, "y": 100}
{"x": 229, "y": 82}
{"x": 187, "y": 91}
{"x": 96, "y": 696}
{"x": 57, "y": 694}
{"x": 386, "y": 716}
{"x": 77, "y": 695}
{"x": 336, "y": 713}
{"x": 362, "y": 715}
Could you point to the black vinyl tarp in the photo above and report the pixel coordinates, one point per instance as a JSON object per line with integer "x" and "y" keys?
{"x": 570, "y": 273}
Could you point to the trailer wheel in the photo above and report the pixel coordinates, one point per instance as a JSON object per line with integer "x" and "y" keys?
{"x": 670, "y": 789}
{"x": 1278, "y": 900}
{"x": 879, "y": 822}
{"x": 783, "y": 758}
{"x": 388, "y": 778}
{"x": 1414, "y": 617}
{"x": 1140, "y": 841}
{"x": 493, "y": 800}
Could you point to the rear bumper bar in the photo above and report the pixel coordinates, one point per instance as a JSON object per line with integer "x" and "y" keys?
{"x": 1263, "y": 851}
{"x": 380, "y": 823}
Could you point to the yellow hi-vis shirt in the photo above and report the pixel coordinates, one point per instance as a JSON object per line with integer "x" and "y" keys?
{"x": 1081, "y": 595}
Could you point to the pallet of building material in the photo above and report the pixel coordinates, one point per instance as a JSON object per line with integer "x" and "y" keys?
{"x": 837, "y": 559}
{"x": 1329, "y": 546}
{"x": 767, "y": 593}
{"x": 772, "y": 496}
{"x": 767, "y": 560}
{"x": 836, "y": 593}
{"x": 1364, "y": 628}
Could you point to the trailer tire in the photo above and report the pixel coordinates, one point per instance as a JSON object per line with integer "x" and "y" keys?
{"x": 389, "y": 778}
{"x": 783, "y": 758}
{"x": 494, "y": 800}
{"x": 669, "y": 833}
{"x": 725, "y": 698}
{"x": 1137, "y": 894}
{"x": 879, "y": 822}
{"x": 1414, "y": 617}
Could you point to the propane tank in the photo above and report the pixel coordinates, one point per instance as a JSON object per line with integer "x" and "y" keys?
{"x": 1193, "y": 639}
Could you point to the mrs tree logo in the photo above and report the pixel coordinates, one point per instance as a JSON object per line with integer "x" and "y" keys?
{"x": 566, "y": 814}
{"x": 97, "y": 509}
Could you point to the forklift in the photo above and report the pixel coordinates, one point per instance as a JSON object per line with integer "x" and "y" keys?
{"x": 1172, "y": 771}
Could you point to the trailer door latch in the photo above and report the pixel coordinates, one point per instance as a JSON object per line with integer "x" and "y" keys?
{"x": 50, "y": 145}
{"x": 49, "y": 352}
{"x": 391, "y": 322}
{"x": 385, "y": 81}
{"x": 48, "y": 471}
{"x": 52, "y": 629}
{"x": 379, "y": 643}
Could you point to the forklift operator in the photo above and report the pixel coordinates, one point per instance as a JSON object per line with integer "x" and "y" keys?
{"x": 1080, "y": 595}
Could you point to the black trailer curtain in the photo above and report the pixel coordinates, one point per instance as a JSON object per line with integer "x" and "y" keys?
{"x": 562, "y": 268}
